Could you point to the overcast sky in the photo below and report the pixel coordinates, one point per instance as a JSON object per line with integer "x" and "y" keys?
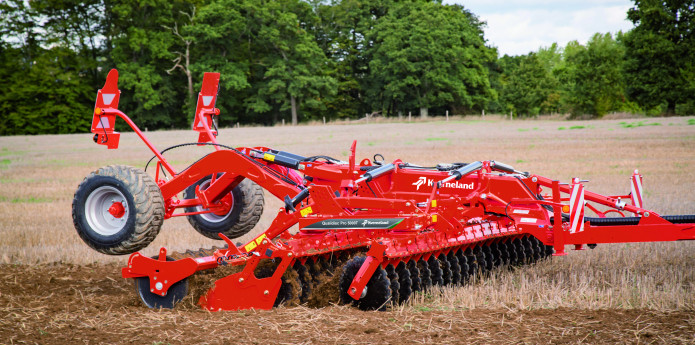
{"x": 521, "y": 26}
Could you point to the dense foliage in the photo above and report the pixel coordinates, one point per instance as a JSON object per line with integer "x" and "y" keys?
{"x": 298, "y": 60}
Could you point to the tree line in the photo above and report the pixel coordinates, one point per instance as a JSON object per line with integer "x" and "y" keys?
{"x": 299, "y": 60}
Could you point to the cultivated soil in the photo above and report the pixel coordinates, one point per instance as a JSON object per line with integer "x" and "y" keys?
{"x": 69, "y": 304}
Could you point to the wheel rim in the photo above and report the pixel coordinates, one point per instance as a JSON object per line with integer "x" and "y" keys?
{"x": 215, "y": 217}
{"x": 103, "y": 208}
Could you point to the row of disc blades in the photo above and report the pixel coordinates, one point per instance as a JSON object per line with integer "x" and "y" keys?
{"x": 324, "y": 280}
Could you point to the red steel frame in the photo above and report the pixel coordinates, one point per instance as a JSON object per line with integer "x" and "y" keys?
{"x": 490, "y": 204}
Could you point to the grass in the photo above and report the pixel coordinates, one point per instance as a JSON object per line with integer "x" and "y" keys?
{"x": 38, "y": 186}
{"x": 638, "y": 124}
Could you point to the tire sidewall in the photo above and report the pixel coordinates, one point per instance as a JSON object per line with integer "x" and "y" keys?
{"x": 91, "y": 237}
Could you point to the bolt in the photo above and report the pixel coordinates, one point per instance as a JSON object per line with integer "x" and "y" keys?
{"x": 407, "y": 204}
{"x": 151, "y": 290}
{"x": 353, "y": 291}
{"x": 165, "y": 282}
{"x": 646, "y": 214}
{"x": 534, "y": 179}
{"x": 155, "y": 278}
{"x": 158, "y": 286}
{"x": 289, "y": 254}
{"x": 266, "y": 292}
{"x": 241, "y": 280}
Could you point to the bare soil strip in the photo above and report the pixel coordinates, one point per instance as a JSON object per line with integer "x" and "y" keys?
{"x": 67, "y": 304}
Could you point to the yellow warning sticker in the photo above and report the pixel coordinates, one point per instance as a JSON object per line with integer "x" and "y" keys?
{"x": 306, "y": 211}
{"x": 434, "y": 218}
{"x": 249, "y": 247}
{"x": 269, "y": 157}
{"x": 260, "y": 238}
{"x": 434, "y": 203}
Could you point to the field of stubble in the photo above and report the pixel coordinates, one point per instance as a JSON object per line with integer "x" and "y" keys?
{"x": 53, "y": 288}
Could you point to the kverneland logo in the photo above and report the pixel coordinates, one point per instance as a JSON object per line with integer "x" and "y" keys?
{"x": 429, "y": 182}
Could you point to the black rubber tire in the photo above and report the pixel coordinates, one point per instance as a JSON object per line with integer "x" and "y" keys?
{"x": 378, "y": 287}
{"x": 144, "y": 205}
{"x": 405, "y": 282}
{"x": 244, "y": 214}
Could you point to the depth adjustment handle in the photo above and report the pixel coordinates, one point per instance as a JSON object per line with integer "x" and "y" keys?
{"x": 291, "y": 203}
{"x": 369, "y": 175}
{"x": 461, "y": 172}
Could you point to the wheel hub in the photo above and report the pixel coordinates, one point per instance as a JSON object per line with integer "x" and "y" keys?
{"x": 117, "y": 210}
{"x": 225, "y": 205}
{"x": 222, "y": 209}
{"x": 106, "y": 210}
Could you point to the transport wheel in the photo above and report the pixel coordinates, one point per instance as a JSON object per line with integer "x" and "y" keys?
{"x": 174, "y": 295}
{"x": 246, "y": 206}
{"x": 378, "y": 289}
{"x": 118, "y": 210}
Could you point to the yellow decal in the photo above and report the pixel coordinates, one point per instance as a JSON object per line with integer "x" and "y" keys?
{"x": 249, "y": 247}
{"x": 306, "y": 211}
{"x": 260, "y": 238}
{"x": 434, "y": 203}
{"x": 269, "y": 157}
{"x": 434, "y": 218}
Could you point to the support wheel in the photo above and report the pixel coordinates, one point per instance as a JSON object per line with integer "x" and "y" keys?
{"x": 245, "y": 203}
{"x": 378, "y": 289}
{"x": 118, "y": 210}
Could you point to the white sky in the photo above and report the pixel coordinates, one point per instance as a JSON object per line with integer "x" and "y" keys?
{"x": 521, "y": 26}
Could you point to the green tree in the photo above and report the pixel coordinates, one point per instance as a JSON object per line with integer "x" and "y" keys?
{"x": 659, "y": 53}
{"x": 142, "y": 46}
{"x": 417, "y": 64}
{"x": 595, "y": 76}
{"x": 341, "y": 30}
{"x": 526, "y": 84}
{"x": 44, "y": 88}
